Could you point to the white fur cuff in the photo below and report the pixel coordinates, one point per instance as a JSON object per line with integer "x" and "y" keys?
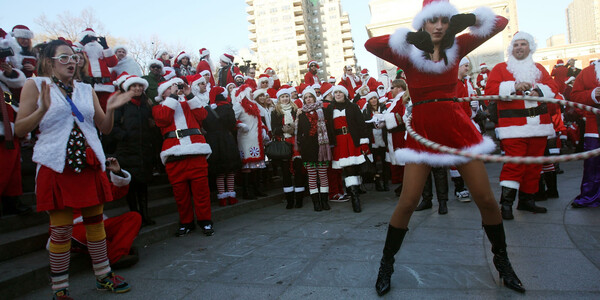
{"x": 108, "y": 52}
{"x": 484, "y": 25}
{"x": 14, "y": 83}
{"x": 390, "y": 120}
{"x": 119, "y": 181}
{"x": 398, "y": 42}
{"x": 194, "y": 103}
{"x": 364, "y": 141}
{"x": 506, "y": 88}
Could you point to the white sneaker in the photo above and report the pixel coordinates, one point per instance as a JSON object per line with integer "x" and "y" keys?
{"x": 463, "y": 196}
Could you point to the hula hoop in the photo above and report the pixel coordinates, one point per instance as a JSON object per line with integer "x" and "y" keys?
{"x": 509, "y": 159}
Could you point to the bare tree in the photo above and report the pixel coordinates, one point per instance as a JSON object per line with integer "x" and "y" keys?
{"x": 68, "y": 25}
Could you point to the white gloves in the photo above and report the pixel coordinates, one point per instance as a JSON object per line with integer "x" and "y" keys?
{"x": 243, "y": 127}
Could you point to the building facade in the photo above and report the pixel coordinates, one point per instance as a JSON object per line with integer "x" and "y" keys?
{"x": 287, "y": 34}
{"x": 389, "y": 15}
{"x": 583, "y": 21}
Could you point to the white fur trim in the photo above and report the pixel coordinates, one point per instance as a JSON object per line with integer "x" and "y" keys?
{"x": 284, "y": 91}
{"x": 119, "y": 181}
{"x": 108, "y": 88}
{"x": 506, "y": 88}
{"x": 182, "y": 56}
{"x": 371, "y": 95}
{"x": 156, "y": 62}
{"x": 390, "y": 120}
{"x": 313, "y": 191}
{"x": 406, "y": 155}
{"x": 288, "y": 189}
{"x": 222, "y": 196}
{"x": 484, "y": 25}
{"x": 340, "y": 88}
{"x": 522, "y": 35}
{"x": 348, "y": 161}
{"x": 324, "y": 189}
{"x": 554, "y": 150}
{"x": 523, "y": 131}
{"x": 108, "y": 52}
{"x": 397, "y": 42}
{"x": 133, "y": 80}
{"x": 225, "y": 59}
{"x": 510, "y": 184}
{"x": 454, "y": 173}
{"x": 593, "y": 95}
{"x": 364, "y": 141}
{"x": 190, "y": 149}
{"x": 429, "y": 66}
{"x": 22, "y": 33}
{"x": 14, "y": 83}
{"x": 339, "y": 113}
{"x": 352, "y": 181}
{"x": 170, "y": 103}
{"x": 259, "y": 92}
{"x": 546, "y": 90}
{"x": 195, "y": 103}
{"x": 299, "y": 189}
{"x": 434, "y": 9}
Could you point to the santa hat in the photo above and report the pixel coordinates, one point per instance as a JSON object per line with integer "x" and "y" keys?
{"x": 22, "y": 31}
{"x": 383, "y": 72}
{"x": 560, "y": 62}
{"x": 228, "y": 58}
{"x": 238, "y": 75}
{"x": 77, "y": 47}
{"x": 156, "y": 62}
{"x": 120, "y": 79}
{"x": 133, "y": 79}
{"x": 86, "y": 32}
{"x": 325, "y": 88}
{"x": 272, "y": 93}
{"x": 283, "y": 90}
{"x": 268, "y": 69}
{"x": 522, "y": 35}
{"x": 163, "y": 86}
{"x": 205, "y": 72}
{"x": 121, "y": 47}
{"x": 259, "y": 92}
{"x": 339, "y": 88}
{"x": 482, "y": 66}
{"x": 168, "y": 73}
{"x": 244, "y": 91}
{"x": 464, "y": 61}
{"x": 371, "y": 95}
{"x": 203, "y": 52}
{"x": 309, "y": 90}
{"x": 265, "y": 77}
{"x": 364, "y": 72}
{"x": 433, "y": 8}
{"x": 301, "y": 87}
{"x": 331, "y": 80}
{"x": 194, "y": 80}
{"x": 181, "y": 56}
{"x": 316, "y": 86}
{"x": 312, "y": 62}
{"x": 159, "y": 53}
{"x": 218, "y": 93}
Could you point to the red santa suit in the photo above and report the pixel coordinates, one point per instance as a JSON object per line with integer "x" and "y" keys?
{"x": 205, "y": 65}
{"x": 523, "y": 126}
{"x": 10, "y": 148}
{"x": 482, "y": 77}
{"x": 351, "y": 83}
{"x": 441, "y": 121}
{"x": 310, "y": 78}
{"x": 21, "y": 56}
{"x": 184, "y": 153}
{"x": 396, "y": 135}
{"x": 559, "y": 73}
{"x": 100, "y": 60}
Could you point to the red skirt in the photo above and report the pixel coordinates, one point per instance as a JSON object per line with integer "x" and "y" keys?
{"x": 56, "y": 191}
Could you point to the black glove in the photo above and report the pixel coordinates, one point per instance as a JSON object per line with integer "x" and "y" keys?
{"x": 458, "y": 23}
{"x": 102, "y": 42}
{"x": 86, "y": 40}
{"x": 421, "y": 40}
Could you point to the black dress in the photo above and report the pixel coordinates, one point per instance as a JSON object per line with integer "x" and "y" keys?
{"x": 220, "y": 125}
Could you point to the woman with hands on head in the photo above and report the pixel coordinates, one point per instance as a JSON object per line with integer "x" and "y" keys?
{"x": 71, "y": 160}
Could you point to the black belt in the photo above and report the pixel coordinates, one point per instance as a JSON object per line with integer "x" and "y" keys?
{"x": 181, "y": 133}
{"x": 341, "y": 131}
{"x": 433, "y": 100}
{"x": 172, "y": 158}
{"x": 101, "y": 80}
{"x": 527, "y": 112}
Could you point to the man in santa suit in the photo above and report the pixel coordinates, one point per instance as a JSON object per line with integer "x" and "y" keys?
{"x": 559, "y": 73}
{"x": 179, "y": 117}
{"x": 384, "y": 78}
{"x": 311, "y": 77}
{"x": 276, "y": 82}
{"x": 205, "y": 64}
{"x": 227, "y": 72}
{"x": 482, "y": 77}
{"x": 125, "y": 64}
{"x": 11, "y": 82}
{"x": 523, "y": 126}
{"x": 586, "y": 90}
{"x": 369, "y": 82}
{"x": 23, "y": 59}
{"x": 350, "y": 81}
{"x": 101, "y": 58}
{"x": 250, "y": 81}
{"x": 331, "y": 80}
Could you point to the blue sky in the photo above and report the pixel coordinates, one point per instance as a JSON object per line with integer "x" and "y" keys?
{"x": 221, "y": 25}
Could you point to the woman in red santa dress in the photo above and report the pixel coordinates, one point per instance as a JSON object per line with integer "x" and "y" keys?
{"x": 70, "y": 159}
{"x": 184, "y": 153}
{"x": 430, "y": 59}
{"x": 252, "y": 133}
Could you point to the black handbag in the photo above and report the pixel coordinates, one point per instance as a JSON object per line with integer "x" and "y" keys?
{"x": 280, "y": 150}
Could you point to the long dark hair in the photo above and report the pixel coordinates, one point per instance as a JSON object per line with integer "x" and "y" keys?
{"x": 44, "y": 67}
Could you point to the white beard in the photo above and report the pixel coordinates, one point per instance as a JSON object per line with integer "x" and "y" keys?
{"x": 93, "y": 50}
{"x": 523, "y": 70}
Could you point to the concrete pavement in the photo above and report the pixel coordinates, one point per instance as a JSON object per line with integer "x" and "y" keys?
{"x": 274, "y": 253}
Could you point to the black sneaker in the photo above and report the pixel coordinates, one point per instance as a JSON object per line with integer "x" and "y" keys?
{"x": 184, "y": 229}
{"x": 208, "y": 230}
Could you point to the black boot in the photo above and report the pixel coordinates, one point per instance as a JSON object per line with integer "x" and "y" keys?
{"x": 299, "y": 199}
{"x": 550, "y": 178}
{"x": 316, "y": 202}
{"x": 354, "y": 192}
{"x": 289, "y": 198}
{"x": 540, "y": 195}
{"x": 11, "y": 205}
{"x": 506, "y": 200}
{"x": 425, "y": 204}
{"x": 248, "y": 192}
{"x": 325, "y": 201}
{"x": 443, "y": 208}
{"x": 527, "y": 203}
{"x": 378, "y": 184}
{"x": 393, "y": 241}
{"x": 143, "y": 199}
{"x": 440, "y": 176}
{"x": 495, "y": 234}
{"x": 258, "y": 189}
{"x": 427, "y": 195}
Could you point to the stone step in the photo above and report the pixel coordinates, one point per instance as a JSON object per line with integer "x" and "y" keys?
{"x": 31, "y": 271}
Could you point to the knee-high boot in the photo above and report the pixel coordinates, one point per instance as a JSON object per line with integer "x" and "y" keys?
{"x": 325, "y": 201}
{"x": 299, "y": 198}
{"x": 258, "y": 189}
{"x": 495, "y": 234}
{"x": 540, "y": 195}
{"x": 248, "y": 192}
{"x": 506, "y": 201}
{"x": 427, "y": 195}
{"x": 289, "y": 198}
{"x": 440, "y": 176}
{"x": 393, "y": 241}
{"x": 550, "y": 178}
{"x": 316, "y": 202}
{"x": 143, "y": 200}
{"x": 354, "y": 192}
{"x": 527, "y": 203}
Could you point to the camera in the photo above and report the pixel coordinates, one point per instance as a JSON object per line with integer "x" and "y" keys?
{"x": 180, "y": 86}
{"x": 527, "y": 93}
{"x": 6, "y": 52}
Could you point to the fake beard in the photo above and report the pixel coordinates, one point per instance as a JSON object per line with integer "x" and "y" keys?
{"x": 523, "y": 70}
{"x": 93, "y": 50}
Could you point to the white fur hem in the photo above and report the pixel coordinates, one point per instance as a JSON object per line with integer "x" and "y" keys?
{"x": 364, "y": 141}
{"x": 191, "y": 149}
{"x": 14, "y": 83}
{"x": 314, "y": 191}
{"x": 348, "y": 161}
{"x": 299, "y": 189}
{"x": 324, "y": 189}
{"x": 119, "y": 181}
{"x": 194, "y": 103}
{"x": 524, "y": 131}
{"x": 289, "y": 189}
{"x": 352, "y": 180}
{"x": 510, "y": 184}
{"x": 108, "y": 88}
{"x": 170, "y": 103}
{"x": 407, "y": 155}
{"x": 486, "y": 19}
{"x": 390, "y": 120}
{"x": 222, "y": 196}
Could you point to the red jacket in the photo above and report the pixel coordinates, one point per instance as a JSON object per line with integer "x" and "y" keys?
{"x": 583, "y": 92}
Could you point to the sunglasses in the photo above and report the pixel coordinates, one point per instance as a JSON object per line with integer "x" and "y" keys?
{"x": 65, "y": 59}
{"x": 155, "y": 67}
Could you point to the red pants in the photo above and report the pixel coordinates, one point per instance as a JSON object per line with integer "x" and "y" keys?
{"x": 334, "y": 177}
{"x": 10, "y": 164}
{"x": 120, "y": 233}
{"x": 527, "y": 176}
{"x": 189, "y": 178}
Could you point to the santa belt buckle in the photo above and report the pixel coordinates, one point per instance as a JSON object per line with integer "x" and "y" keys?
{"x": 532, "y": 112}
{"x": 179, "y": 134}
{"x": 344, "y": 130}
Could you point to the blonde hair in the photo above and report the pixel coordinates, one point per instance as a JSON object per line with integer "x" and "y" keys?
{"x": 279, "y": 109}
{"x": 400, "y": 83}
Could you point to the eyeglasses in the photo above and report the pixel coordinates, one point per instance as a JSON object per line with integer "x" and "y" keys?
{"x": 155, "y": 67}
{"x": 65, "y": 59}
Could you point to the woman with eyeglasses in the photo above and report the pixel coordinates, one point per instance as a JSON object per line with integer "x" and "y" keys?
{"x": 430, "y": 57}
{"x": 70, "y": 159}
